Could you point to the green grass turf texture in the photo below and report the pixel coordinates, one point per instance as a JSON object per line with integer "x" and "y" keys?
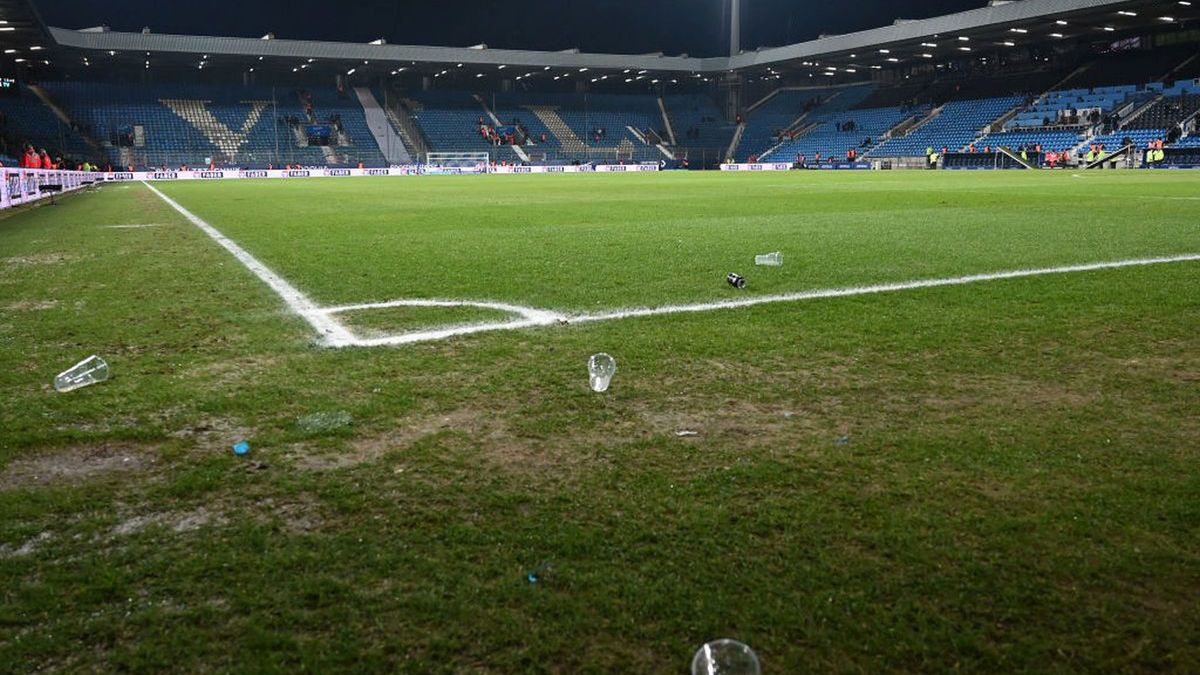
{"x": 1018, "y": 493}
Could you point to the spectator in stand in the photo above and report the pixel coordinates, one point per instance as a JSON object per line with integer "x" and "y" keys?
{"x": 35, "y": 160}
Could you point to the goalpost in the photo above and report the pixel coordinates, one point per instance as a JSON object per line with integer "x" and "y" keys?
{"x": 458, "y": 162}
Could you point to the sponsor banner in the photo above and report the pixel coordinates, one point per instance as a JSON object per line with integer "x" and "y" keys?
{"x": 575, "y": 168}
{"x": 760, "y": 166}
{"x": 403, "y": 170}
{"x": 846, "y": 166}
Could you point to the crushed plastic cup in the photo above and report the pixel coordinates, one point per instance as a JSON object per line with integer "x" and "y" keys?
{"x": 769, "y": 259}
{"x": 726, "y": 657}
{"x": 89, "y": 371}
{"x": 601, "y": 368}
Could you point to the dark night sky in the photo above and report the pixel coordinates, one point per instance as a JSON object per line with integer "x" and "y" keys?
{"x": 626, "y": 26}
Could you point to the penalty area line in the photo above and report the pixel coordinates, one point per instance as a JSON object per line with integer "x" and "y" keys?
{"x": 879, "y": 288}
{"x": 539, "y": 318}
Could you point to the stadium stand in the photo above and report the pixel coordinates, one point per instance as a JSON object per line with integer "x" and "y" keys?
{"x": 1168, "y": 112}
{"x": 28, "y": 120}
{"x": 954, "y": 126}
{"x": 175, "y": 125}
{"x": 342, "y": 106}
{"x": 450, "y": 121}
{"x": 1050, "y": 140}
{"x": 842, "y": 130}
{"x": 816, "y": 106}
{"x": 1061, "y": 108}
{"x": 765, "y": 123}
{"x": 1137, "y": 65}
{"x": 699, "y": 126}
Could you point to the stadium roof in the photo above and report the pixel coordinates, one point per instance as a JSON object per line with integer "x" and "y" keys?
{"x": 1001, "y": 25}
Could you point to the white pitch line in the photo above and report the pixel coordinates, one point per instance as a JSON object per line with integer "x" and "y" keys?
{"x": 332, "y": 333}
{"x": 878, "y": 288}
{"x": 615, "y": 315}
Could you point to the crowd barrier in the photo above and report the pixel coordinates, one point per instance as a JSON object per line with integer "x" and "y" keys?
{"x": 24, "y": 186}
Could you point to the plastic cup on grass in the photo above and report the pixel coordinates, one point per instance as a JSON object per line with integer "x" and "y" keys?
{"x": 89, "y": 371}
{"x": 601, "y": 369}
{"x": 725, "y": 657}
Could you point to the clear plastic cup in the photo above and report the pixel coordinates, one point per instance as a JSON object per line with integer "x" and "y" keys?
{"x": 769, "y": 260}
{"x": 725, "y": 657}
{"x": 89, "y": 371}
{"x": 601, "y": 368}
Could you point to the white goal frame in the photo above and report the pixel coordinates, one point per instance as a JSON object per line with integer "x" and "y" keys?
{"x": 460, "y": 160}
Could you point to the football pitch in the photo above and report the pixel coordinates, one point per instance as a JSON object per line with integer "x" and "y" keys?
{"x": 957, "y": 430}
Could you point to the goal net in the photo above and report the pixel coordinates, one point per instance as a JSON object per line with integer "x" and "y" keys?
{"x": 457, "y": 162}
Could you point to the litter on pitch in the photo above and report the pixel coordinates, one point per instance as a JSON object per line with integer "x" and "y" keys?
{"x": 736, "y": 280}
{"x": 89, "y": 371}
{"x": 726, "y": 657}
{"x": 769, "y": 259}
{"x": 241, "y": 448}
{"x": 601, "y": 368}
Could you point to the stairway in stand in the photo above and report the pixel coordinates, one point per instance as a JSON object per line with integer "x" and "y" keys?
{"x": 566, "y": 136}
{"x": 390, "y": 143}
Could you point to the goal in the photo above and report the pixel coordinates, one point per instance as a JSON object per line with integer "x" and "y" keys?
{"x": 457, "y": 162}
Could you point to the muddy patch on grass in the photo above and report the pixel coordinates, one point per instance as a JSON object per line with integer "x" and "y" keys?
{"x": 179, "y": 522}
{"x": 75, "y": 465}
{"x": 213, "y": 434}
{"x": 39, "y": 259}
{"x": 372, "y": 448}
{"x": 31, "y": 305}
{"x": 223, "y": 374}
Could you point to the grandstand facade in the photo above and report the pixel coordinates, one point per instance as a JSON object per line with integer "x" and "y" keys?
{"x": 1043, "y": 76}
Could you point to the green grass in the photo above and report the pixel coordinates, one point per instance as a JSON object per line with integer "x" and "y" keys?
{"x": 1018, "y": 493}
